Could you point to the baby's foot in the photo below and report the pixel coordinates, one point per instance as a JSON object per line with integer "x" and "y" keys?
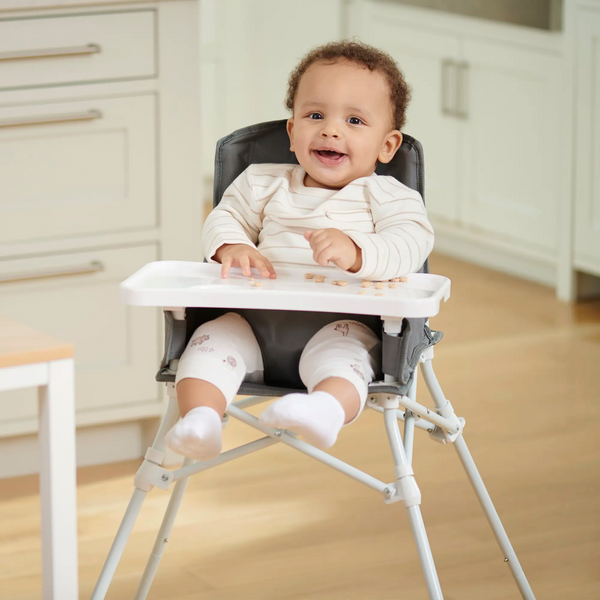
{"x": 197, "y": 435}
{"x": 318, "y": 417}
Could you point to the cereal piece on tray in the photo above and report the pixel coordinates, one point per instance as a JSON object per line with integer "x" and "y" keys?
{"x": 361, "y": 292}
{"x": 395, "y": 279}
{"x": 320, "y": 278}
{"x": 402, "y": 278}
{"x": 379, "y": 285}
{"x": 308, "y": 275}
{"x": 392, "y": 285}
{"x": 366, "y": 284}
{"x": 342, "y": 282}
{"x": 335, "y": 282}
{"x": 257, "y": 283}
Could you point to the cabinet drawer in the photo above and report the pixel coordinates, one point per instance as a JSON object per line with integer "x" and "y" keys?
{"x": 80, "y": 167}
{"x": 77, "y": 49}
{"x": 116, "y": 348}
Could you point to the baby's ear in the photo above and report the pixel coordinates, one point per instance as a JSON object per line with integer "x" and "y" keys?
{"x": 290, "y": 131}
{"x": 392, "y": 142}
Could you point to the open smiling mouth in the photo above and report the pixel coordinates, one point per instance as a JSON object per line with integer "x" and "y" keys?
{"x": 330, "y": 157}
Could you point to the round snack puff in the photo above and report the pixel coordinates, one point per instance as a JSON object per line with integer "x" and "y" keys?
{"x": 379, "y": 285}
{"x": 393, "y": 285}
{"x": 257, "y": 283}
{"x": 361, "y": 292}
{"x": 342, "y": 282}
{"x": 366, "y": 284}
{"x": 320, "y": 278}
{"x": 308, "y": 275}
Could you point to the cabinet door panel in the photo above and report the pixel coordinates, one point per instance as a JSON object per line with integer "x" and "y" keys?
{"x": 511, "y": 170}
{"x": 91, "y": 174}
{"x": 587, "y": 149}
{"x": 421, "y": 57}
{"x": 116, "y": 346}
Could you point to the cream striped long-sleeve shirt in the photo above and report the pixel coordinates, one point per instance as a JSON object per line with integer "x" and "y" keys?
{"x": 269, "y": 207}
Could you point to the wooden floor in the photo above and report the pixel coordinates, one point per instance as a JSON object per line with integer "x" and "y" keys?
{"x": 522, "y": 368}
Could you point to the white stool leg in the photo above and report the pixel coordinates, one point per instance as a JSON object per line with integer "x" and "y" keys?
{"x": 480, "y": 490}
{"x": 414, "y": 512}
{"x": 163, "y": 535}
{"x": 57, "y": 483}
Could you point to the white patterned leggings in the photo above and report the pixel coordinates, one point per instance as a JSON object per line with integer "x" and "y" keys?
{"x": 225, "y": 352}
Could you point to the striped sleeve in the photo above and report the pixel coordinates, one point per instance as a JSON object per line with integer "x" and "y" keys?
{"x": 403, "y": 235}
{"x": 237, "y": 219}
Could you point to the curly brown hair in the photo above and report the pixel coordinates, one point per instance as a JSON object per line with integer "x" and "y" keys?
{"x": 362, "y": 54}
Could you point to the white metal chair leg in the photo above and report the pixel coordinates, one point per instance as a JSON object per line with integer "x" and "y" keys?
{"x": 480, "y": 490}
{"x": 510, "y": 556}
{"x": 116, "y": 550}
{"x": 414, "y": 510}
{"x": 163, "y": 535}
{"x": 409, "y": 422}
{"x": 133, "y": 509}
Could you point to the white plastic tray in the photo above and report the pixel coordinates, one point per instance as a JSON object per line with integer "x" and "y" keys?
{"x": 178, "y": 284}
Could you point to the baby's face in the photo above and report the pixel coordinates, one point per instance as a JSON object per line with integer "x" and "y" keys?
{"x": 342, "y": 124}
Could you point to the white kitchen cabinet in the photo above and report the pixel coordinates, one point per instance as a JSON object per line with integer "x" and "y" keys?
{"x": 99, "y": 155}
{"x": 75, "y": 295}
{"x": 93, "y": 167}
{"x": 509, "y": 167}
{"x": 486, "y": 102}
{"x": 587, "y": 136}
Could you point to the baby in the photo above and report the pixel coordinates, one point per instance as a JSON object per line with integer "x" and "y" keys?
{"x": 348, "y": 103}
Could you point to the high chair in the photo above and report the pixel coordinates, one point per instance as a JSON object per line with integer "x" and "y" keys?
{"x": 193, "y": 293}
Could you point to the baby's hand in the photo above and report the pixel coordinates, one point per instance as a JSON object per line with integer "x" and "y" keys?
{"x": 335, "y": 246}
{"x": 244, "y": 256}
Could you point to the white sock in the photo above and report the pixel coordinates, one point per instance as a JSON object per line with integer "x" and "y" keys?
{"x": 318, "y": 417}
{"x": 197, "y": 435}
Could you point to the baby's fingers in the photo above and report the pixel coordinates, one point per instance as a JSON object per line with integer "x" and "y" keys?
{"x": 265, "y": 267}
{"x": 245, "y": 264}
{"x": 225, "y": 265}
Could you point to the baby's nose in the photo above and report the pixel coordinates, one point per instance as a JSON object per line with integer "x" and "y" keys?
{"x": 330, "y": 131}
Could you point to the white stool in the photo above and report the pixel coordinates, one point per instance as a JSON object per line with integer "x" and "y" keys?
{"x": 29, "y": 358}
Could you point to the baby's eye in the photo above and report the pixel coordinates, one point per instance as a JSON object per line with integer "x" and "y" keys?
{"x": 355, "y": 121}
{"x": 315, "y": 116}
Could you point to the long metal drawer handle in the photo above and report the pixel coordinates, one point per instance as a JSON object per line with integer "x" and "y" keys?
{"x": 47, "y": 52}
{"x": 449, "y": 87}
{"x": 462, "y": 91}
{"x": 88, "y": 115}
{"x": 93, "y": 267}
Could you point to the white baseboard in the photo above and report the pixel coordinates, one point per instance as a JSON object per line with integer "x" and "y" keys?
{"x": 103, "y": 444}
{"x": 482, "y": 251}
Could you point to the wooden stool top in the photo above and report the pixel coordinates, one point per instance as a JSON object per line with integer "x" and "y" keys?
{"x": 23, "y": 345}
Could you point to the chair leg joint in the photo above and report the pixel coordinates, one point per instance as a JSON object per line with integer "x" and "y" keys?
{"x": 151, "y": 475}
{"x": 404, "y": 489}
